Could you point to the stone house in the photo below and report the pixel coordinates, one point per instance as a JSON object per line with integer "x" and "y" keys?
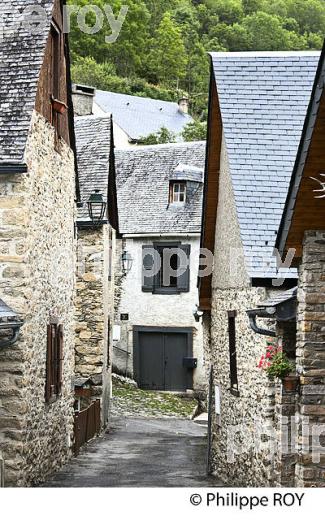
{"x": 257, "y": 107}
{"x": 302, "y": 230}
{"x": 38, "y": 189}
{"x": 96, "y": 250}
{"x": 157, "y": 340}
{"x": 135, "y": 117}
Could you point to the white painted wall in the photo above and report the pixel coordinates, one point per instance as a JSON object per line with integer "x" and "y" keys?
{"x": 146, "y": 309}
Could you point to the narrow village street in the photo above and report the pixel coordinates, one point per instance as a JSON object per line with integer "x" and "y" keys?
{"x": 151, "y": 442}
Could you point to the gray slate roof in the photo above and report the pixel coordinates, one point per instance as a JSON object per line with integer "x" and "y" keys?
{"x": 21, "y": 58}
{"x": 280, "y": 297}
{"x": 143, "y": 176}
{"x": 93, "y": 141}
{"x": 263, "y": 99}
{"x": 139, "y": 116}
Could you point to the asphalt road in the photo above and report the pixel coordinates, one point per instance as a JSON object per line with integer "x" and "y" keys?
{"x": 141, "y": 452}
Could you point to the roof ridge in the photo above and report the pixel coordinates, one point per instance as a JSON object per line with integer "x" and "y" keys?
{"x": 134, "y": 96}
{"x": 139, "y": 148}
{"x": 263, "y": 54}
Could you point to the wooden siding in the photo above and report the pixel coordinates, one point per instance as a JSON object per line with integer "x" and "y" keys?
{"x": 43, "y": 103}
{"x": 309, "y": 212}
{"x": 211, "y": 188}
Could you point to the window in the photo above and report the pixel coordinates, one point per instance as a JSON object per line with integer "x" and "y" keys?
{"x": 166, "y": 268}
{"x": 177, "y": 193}
{"x": 232, "y": 352}
{"x": 54, "y": 359}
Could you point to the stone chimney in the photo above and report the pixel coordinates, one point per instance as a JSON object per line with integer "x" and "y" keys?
{"x": 83, "y": 100}
{"x": 183, "y": 105}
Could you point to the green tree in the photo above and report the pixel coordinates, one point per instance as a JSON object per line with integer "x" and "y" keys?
{"x": 195, "y": 131}
{"x": 127, "y": 52}
{"x": 266, "y": 33}
{"x": 251, "y": 6}
{"x": 163, "y": 136}
{"x": 310, "y": 15}
{"x": 228, "y": 11}
{"x": 167, "y": 59}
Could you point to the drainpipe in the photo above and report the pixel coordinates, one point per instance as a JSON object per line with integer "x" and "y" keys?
{"x": 260, "y": 313}
{"x": 2, "y": 472}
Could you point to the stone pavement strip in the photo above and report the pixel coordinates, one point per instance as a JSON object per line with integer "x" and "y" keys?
{"x": 141, "y": 452}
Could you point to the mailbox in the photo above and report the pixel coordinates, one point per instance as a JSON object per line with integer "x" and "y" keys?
{"x": 190, "y": 362}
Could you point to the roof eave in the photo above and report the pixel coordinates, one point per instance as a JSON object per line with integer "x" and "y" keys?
{"x": 12, "y": 168}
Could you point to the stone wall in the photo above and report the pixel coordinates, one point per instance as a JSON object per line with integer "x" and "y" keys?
{"x": 94, "y": 311}
{"x": 37, "y": 278}
{"x": 242, "y": 445}
{"x": 310, "y": 470}
{"x": 156, "y": 310}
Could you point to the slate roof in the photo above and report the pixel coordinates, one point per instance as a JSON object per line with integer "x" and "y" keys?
{"x": 263, "y": 99}
{"x": 93, "y": 141}
{"x": 313, "y": 113}
{"x": 21, "y": 58}
{"x": 143, "y": 175}
{"x": 139, "y": 116}
{"x": 280, "y": 297}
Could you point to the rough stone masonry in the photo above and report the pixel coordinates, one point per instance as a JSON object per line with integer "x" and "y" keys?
{"x": 37, "y": 279}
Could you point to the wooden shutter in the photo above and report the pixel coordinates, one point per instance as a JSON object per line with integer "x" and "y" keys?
{"x": 48, "y": 382}
{"x": 54, "y": 361}
{"x": 232, "y": 352}
{"x": 183, "y": 281}
{"x": 59, "y": 343}
{"x": 147, "y": 264}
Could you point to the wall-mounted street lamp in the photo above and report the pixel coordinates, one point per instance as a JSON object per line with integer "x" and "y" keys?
{"x": 96, "y": 208}
{"x": 10, "y": 324}
{"x": 197, "y": 313}
{"x": 127, "y": 262}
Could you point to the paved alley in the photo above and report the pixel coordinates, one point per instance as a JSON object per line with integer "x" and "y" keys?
{"x": 151, "y": 442}
{"x": 141, "y": 452}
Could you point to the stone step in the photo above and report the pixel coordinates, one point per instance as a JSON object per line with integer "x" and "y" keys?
{"x": 203, "y": 419}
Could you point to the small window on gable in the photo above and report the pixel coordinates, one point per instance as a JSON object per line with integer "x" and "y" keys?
{"x": 177, "y": 193}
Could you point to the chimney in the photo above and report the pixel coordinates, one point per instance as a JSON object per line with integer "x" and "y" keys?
{"x": 183, "y": 105}
{"x": 83, "y": 99}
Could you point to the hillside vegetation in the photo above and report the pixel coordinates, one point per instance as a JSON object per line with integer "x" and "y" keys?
{"x": 162, "y": 49}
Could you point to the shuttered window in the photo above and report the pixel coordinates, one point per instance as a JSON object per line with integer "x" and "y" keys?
{"x": 232, "y": 352}
{"x": 153, "y": 279}
{"x": 54, "y": 361}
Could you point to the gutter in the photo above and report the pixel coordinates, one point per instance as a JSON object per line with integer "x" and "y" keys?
{"x": 260, "y": 313}
{"x": 86, "y": 224}
{"x": 10, "y": 168}
{"x": 157, "y": 235}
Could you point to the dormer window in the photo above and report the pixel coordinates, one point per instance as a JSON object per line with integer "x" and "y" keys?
{"x": 177, "y": 193}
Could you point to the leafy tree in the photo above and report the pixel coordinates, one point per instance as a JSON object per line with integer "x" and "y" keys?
{"x": 251, "y": 6}
{"x": 266, "y": 33}
{"x": 195, "y": 131}
{"x": 167, "y": 59}
{"x": 102, "y": 76}
{"x": 163, "y": 136}
{"x": 127, "y": 52}
{"x": 310, "y": 15}
{"x": 229, "y": 11}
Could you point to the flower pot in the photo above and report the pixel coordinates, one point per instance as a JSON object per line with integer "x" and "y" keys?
{"x": 59, "y": 106}
{"x": 290, "y": 383}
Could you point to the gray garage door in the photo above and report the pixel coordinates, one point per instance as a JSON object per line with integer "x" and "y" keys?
{"x": 159, "y": 359}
